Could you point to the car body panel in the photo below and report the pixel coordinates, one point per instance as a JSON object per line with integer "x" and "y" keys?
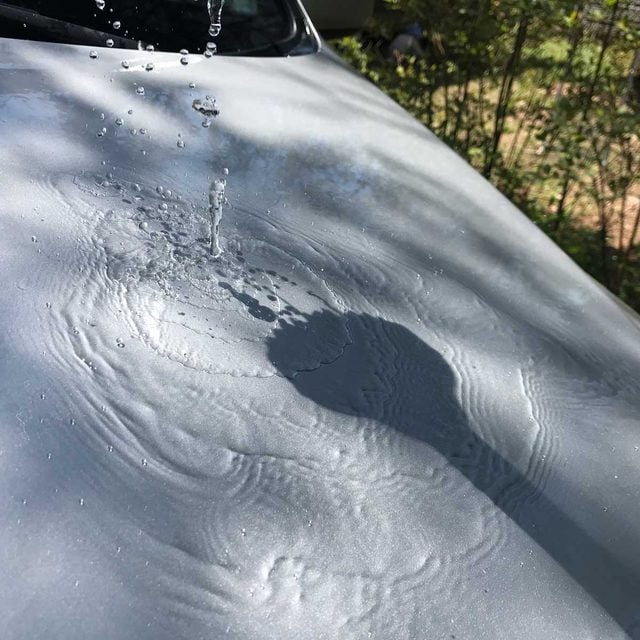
{"x": 391, "y": 409}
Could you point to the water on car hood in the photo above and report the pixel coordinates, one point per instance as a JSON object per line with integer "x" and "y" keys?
{"x": 391, "y": 408}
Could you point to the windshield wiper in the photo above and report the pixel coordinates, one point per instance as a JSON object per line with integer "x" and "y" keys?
{"x": 53, "y": 30}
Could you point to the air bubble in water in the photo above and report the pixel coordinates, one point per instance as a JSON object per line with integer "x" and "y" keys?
{"x": 125, "y": 64}
{"x": 93, "y": 54}
{"x": 140, "y": 91}
{"x": 100, "y": 4}
{"x": 150, "y": 66}
{"x": 81, "y": 502}
{"x": 184, "y": 60}
{"x": 150, "y": 47}
{"x": 192, "y": 85}
{"x": 116, "y": 24}
{"x": 184, "y": 52}
{"x": 120, "y": 343}
{"x": 119, "y": 121}
{"x": 180, "y": 144}
{"x": 143, "y": 132}
{"x": 110, "y": 42}
{"x": 212, "y": 46}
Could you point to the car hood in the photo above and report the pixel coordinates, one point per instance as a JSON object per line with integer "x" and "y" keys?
{"x": 392, "y": 407}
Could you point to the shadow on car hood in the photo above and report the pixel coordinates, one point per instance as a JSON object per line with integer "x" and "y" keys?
{"x": 392, "y": 407}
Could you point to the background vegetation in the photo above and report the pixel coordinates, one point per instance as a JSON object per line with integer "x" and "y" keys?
{"x": 542, "y": 97}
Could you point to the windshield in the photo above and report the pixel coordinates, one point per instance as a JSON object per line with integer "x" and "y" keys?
{"x": 249, "y": 27}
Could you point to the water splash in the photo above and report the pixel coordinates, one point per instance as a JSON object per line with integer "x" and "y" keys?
{"x": 208, "y": 108}
{"x": 216, "y": 203}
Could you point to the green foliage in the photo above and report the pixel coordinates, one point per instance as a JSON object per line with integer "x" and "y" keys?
{"x": 539, "y": 95}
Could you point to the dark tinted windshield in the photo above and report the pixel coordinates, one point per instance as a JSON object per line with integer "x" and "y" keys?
{"x": 249, "y": 27}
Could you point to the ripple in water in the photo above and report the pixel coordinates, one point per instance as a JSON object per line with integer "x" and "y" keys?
{"x": 207, "y": 313}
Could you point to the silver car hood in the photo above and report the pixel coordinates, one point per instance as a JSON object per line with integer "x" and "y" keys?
{"x": 391, "y": 409}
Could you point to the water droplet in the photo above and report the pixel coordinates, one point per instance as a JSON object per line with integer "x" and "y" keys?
{"x": 109, "y": 42}
{"x": 184, "y": 60}
{"x": 116, "y": 24}
{"x": 125, "y": 64}
{"x": 81, "y": 502}
{"x": 214, "y": 7}
{"x": 93, "y": 54}
{"x": 140, "y": 91}
{"x": 150, "y": 66}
